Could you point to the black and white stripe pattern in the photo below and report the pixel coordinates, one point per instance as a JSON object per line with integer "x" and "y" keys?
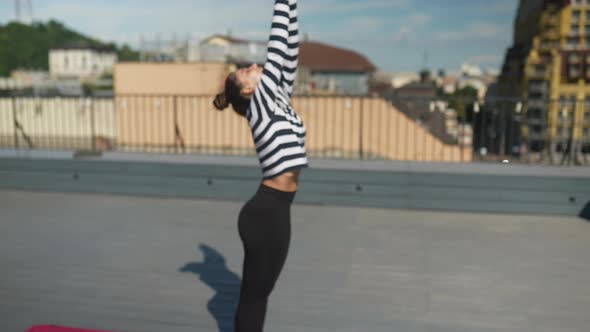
{"x": 278, "y": 132}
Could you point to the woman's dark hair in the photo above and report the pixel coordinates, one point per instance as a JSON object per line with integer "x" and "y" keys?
{"x": 232, "y": 95}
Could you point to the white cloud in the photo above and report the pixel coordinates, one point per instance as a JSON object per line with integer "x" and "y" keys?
{"x": 154, "y": 18}
{"x": 503, "y": 6}
{"x": 474, "y": 31}
{"x": 403, "y": 34}
{"x": 485, "y": 59}
{"x": 367, "y": 23}
{"x": 327, "y": 6}
{"x": 408, "y": 26}
{"x": 418, "y": 19}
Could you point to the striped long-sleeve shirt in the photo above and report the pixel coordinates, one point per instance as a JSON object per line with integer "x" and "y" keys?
{"x": 278, "y": 132}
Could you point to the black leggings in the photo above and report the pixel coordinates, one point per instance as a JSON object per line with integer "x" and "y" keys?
{"x": 264, "y": 225}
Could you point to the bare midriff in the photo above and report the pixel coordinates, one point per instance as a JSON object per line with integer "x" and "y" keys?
{"x": 287, "y": 181}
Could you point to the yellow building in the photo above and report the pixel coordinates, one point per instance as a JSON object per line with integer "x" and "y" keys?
{"x": 549, "y": 66}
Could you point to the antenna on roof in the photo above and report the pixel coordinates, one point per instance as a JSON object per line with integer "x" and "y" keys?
{"x": 24, "y": 11}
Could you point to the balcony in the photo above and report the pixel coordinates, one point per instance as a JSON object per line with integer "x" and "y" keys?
{"x": 574, "y": 59}
{"x": 535, "y": 121}
{"x": 564, "y": 121}
{"x": 574, "y": 74}
{"x": 537, "y": 103}
{"x": 538, "y": 87}
{"x": 552, "y": 20}
{"x": 538, "y": 74}
{"x": 574, "y": 33}
{"x": 537, "y": 135}
{"x": 576, "y": 14}
{"x": 551, "y": 33}
{"x": 546, "y": 46}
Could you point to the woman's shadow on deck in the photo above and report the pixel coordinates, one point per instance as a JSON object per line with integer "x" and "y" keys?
{"x": 226, "y": 284}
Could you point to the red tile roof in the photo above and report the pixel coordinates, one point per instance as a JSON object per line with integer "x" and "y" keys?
{"x": 322, "y": 57}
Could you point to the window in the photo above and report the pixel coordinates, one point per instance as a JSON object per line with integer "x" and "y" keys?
{"x": 587, "y": 105}
{"x": 561, "y": 101}
{"x": 576, "y": 15}
{"x": 535, "y": 113}
{"x": 586, "y": 133}
{"x": 577, "y": 2}
{"x": 572, "y": 102}
{"x": 587, "y": 29}
{"x": 547, "y": 44}
{"x": 559, "y": 131}
{"x": 537, "y": 129}
{"x": 573, "y": 42}
{"x": 563, "y": 114}
{"x": 575, "y": 30}
{"x": 574, "y": 72}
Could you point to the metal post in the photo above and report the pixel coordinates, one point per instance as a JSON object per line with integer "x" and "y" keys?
{"x": 573, "y": 157}
{"x": 474, "y": 116}
{"x": 461, "y": 137}
{"x": 15, "y": 123}
{"x": 175, "y": 124}
{"x": 510, "y": 130}
{"x": 503, "y": 131}
{"x": 361, "y": 152}
{"x": 566, "y": 158}
{"x": 482, "y": 131}
{"x": 547, "y": 139}
{"x": 92, "y": 125}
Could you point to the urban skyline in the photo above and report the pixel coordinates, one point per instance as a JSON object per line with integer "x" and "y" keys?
{"x": 394, "y": 34}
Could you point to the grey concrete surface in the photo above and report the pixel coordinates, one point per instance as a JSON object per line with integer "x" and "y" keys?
{"x": 153, "y": 265}
{"x": 544, "y": 191}
{"x": 479, "y": 168}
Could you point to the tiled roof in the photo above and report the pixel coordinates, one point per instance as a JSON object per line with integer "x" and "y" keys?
{"x": 322, "y": 57}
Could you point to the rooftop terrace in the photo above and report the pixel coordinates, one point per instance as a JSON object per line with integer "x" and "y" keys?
{"x": 152, "y": 264}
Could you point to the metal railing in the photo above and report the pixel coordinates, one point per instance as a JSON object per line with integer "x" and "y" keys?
{"x": 420, "y": 129}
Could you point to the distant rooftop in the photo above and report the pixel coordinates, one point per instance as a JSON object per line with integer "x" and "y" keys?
{"x": 318, "y": 56}
{"x": 232, "y": 40}
{"x": 323, "y": 57}
{"x": 83, "y": 45}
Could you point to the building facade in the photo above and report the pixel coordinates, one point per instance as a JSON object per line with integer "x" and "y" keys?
{"x": 81, "y": 62}
{"x": 220, "y": 48}
{"x": 549, "y": 68}
{"x": 323, "y": 69}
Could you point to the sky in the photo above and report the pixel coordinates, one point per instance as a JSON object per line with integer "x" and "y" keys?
{"x": 396, "y": 35}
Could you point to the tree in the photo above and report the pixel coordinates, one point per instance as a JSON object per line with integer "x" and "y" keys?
{"x": 461, "y": 98}
{"x": 27, "y": 46}
{"x": 125, "y": 54}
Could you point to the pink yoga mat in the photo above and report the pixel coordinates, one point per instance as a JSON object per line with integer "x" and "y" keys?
{"x": 54, "y": 328}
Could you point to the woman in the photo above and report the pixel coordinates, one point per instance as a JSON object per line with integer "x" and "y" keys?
{"x": 263, "y": 97}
